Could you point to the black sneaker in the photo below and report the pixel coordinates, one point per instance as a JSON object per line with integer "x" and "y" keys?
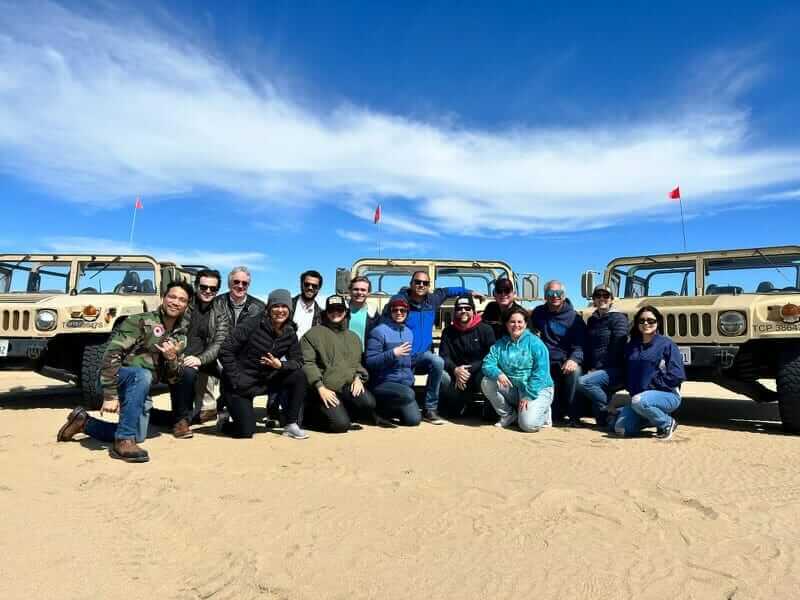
{"x": 665, "y": 434}
{"x": 431, "y": 416}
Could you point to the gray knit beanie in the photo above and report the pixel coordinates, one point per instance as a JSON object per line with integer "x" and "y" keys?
{"x": 279, "y": 296}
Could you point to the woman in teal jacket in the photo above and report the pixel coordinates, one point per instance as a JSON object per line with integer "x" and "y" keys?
{"x": 517, "y": 376}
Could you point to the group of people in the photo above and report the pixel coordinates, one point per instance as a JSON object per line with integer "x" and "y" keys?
{"x": 330, "y": 367}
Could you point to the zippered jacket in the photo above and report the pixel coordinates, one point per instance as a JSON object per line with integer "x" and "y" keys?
{"x": 525, "y": 362}
{"x": 382, "y": 364}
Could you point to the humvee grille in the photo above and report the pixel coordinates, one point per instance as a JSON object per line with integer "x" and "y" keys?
{"x": 15, "y": 321}
{"x": 691, "y": 324}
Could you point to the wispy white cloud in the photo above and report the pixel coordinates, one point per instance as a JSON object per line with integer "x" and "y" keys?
{"x": 255, "y": 261}
{"x": 352, "y": 236}
{"x": 787, "y": 195}
{"x": 372, "y": 241}
{"x": 96, "y": 109}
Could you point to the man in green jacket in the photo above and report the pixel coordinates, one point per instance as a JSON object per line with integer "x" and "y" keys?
{"x": 145, "y": 349}
{"x": 332, "y": 364}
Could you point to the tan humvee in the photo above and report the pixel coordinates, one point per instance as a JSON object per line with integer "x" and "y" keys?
{"x": 58, "y": 310}
{"x": 734, "y": 314}
{"x": 388, "y": 275}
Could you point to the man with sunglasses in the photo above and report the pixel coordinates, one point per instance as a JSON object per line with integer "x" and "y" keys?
{"x": 504, "y": 301}
{"x": 465, "y": 343}
{"x": 306, "y": 313}
{"x": 423, "y": 305}
{"x": 604, "y": 353}
{"x": 193, "y": 396}
{"x": 237, "y": 302}
{"x": 562, "y": 330}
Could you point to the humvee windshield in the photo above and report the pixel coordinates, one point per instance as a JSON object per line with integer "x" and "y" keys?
{"x": 28, "y": 277}
{"x": 480, "y": 279}
{"x": 116, "y": 278}
{"x": 759, "y": 274}
{"x": 654, "y": 279}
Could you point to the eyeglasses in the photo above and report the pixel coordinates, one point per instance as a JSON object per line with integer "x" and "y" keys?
{"x": 423, "y": 282}
{"x": 602, "y": 295}
{"x": 399, "y": 309}
{"x": 208, "y": 288}
{"x": 554, "y": 293}
{"x": 463, "y": 309}
{"x": 241, "y": 283}
{"x": 311, "y": 286}
{"x": 647, "y": 321}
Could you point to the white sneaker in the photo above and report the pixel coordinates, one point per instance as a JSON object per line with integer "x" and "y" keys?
{"x": 508, "y": 420}
{"x": 293, "y": 431}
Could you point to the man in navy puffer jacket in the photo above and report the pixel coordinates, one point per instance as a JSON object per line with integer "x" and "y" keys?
{"x": 604, "y": 353}
{"x": 562, "y": 330}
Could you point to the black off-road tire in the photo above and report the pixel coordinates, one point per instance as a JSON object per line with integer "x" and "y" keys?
{"x": 788, "y": 383}
{"x": 90, "y": 375}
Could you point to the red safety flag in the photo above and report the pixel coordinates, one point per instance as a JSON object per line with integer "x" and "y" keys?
{"x": 377, "y": 216}
{"x": 138, "y": 203}
{"x": 675, "y": 194}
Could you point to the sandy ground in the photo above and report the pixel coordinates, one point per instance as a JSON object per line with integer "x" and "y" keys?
{"x": 458, "y": 511}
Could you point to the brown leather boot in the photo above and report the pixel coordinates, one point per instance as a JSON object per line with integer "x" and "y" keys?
{"x": 76, "y": 420}
{"x": 208, "y": 415}
{"x": 181, "y": 430}
{"x": 128, "y": 451}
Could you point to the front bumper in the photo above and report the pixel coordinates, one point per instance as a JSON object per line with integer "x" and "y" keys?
{"x": 720, "y": 357}
{"x": 28, "y": 348}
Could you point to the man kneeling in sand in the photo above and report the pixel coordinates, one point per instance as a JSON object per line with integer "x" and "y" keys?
{"x": 146, "y": 348}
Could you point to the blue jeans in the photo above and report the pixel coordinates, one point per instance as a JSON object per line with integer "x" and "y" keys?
{"x": 432, "y": 365}
{"x": 397, "y": 400}
{"x": 532, "y": 413}
{"x": 651, "y": 407}
{"x": 596, "y": 386}
{"x": 134, "y": 411}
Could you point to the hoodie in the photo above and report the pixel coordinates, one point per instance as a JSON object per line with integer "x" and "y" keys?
{"x": 606, "y": 336}
{"x": 383, "y": 365}
{"x": 524, "y": 361}
{"x": 657, "y": 365}
{"x": 466, "y": 346}
{"x": 331, "y": 355}
{"x": 562, "y": 332}
{"x": 422, "y": 315}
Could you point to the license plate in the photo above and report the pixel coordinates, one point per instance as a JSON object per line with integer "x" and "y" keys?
{"x": 3, "y": 347}
{"x": 686, "y": 353}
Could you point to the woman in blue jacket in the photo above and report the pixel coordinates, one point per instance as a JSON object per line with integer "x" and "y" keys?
{"x": 388, "y": 358}
{"x": 517, "y": 376}
{"x": 654, "y": 373}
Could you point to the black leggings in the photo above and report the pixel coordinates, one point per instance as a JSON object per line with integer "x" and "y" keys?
{"x": 240, "y": 403}
{"x": 337, "y": 419}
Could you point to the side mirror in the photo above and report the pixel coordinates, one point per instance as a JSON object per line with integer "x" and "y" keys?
{"x": 343, "y": 277}
{"x": 587, "y": 284}
{"x": 530, "y": 287}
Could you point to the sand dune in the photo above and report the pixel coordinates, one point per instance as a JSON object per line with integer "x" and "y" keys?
{"x": 459, "y": 511}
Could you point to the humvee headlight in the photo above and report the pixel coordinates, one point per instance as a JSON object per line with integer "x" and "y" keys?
{"x": 790, "y": 313}
{"x": 732, "y": 323}
{"x": 46, "y": 320}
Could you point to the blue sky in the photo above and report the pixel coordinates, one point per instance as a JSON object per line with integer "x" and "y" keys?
{"x": 265, "y": 133}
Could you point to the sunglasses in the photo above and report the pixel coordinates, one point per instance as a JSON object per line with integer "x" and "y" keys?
{"x": 647, "y": 321}
{"x": 463, "y": 309}
{"x": 602, "y": 295}
{"x": 422, "y": 282}
{"x": 399, "y": 309}
{"x": 208, "y": 288}
{"x": 241, "y": 283}
{"x": 311, "y": 286}
{"x": 503, "y": 292}
{"x": 554, "y": 293}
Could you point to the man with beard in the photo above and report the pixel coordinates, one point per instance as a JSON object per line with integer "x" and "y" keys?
{"x": 562, "y": 330}
{"x": 464, "y": 345}
{"x": 504, "y": 300}
{"x": 262, "y": 356}
{"x": 145, "y": 349}
{"x": 332, "y": 365}
{"x": 194, "y": 395}
{"x": 306, "y": 313}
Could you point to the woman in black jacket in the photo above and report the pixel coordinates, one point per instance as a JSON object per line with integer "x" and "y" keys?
{"x": 603, "y": 353}
{"x": 262, "y": 356}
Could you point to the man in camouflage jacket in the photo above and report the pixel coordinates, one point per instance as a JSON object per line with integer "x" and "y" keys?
{"x": 145, "y": 349}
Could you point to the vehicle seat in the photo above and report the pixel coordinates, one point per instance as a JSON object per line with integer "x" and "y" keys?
{"x": 765, "y": 287}
{"x": 148, "y": 287}
{"x": 712, "y": 289}
{"x": 88, "y": 290}
{"x": 733, "y": 290}
{"x": 130, "y": 284}
{"x": 669, "y": 293}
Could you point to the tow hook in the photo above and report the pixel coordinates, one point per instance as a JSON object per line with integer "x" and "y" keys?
{"x": 725, "y": 358}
